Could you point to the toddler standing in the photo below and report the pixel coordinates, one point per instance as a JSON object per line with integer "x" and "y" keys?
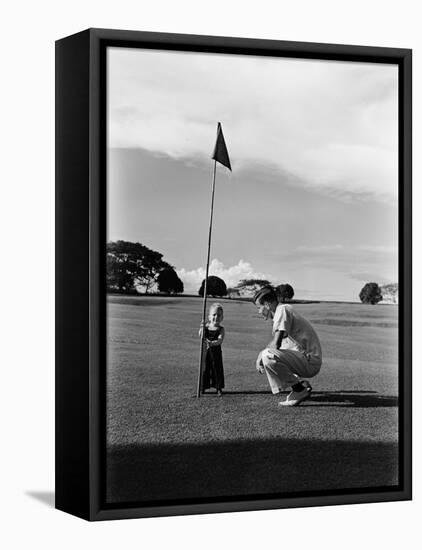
{"x": 213, "y": 372}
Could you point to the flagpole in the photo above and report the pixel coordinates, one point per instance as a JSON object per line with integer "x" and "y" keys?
{"x": 201, "y": 353}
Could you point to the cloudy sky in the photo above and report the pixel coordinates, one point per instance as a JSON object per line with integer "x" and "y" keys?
{"x": 312, "y": 199}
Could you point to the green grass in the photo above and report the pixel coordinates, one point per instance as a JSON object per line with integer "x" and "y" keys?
{"x": 163, "y": 443}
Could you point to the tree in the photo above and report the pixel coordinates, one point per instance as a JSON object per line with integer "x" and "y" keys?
{"x": 169, "y": 282}
{"x": 120, "y": 273}
{"x": 253, "y": 282}
{"x": 130, "y": 265}
{"x": 215, "y": 287}
{"x": 284, "y": 292}
{"x": 233, "y": 293}
{"x": 370, "y": 294}
{"x": 248, "y": 287}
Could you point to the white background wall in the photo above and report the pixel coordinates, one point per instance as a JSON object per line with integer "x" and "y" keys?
{"x": 28, "y": 32}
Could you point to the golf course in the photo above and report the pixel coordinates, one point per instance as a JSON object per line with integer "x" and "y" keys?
{"x": 165, "y": 444}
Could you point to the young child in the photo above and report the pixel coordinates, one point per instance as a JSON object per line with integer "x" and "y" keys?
{"x": 213, "y": 372}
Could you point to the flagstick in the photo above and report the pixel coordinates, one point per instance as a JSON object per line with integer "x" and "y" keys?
{"x": 201, "y": 353}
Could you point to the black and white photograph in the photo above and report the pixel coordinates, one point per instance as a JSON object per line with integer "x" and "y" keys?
{"x": 252, "y": 276}
{"x": 211, "y": 265}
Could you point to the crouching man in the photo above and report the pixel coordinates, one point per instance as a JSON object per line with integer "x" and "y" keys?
{"x": 294, "y": 352}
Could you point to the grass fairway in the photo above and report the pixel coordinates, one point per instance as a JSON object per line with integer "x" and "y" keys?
{"x": 163, "y": 443}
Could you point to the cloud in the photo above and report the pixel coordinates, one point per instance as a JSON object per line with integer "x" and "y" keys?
{"x": 338, "y": 252}
{"x": 368, "y": 277}
{"x": 356, "y": 262}
{"x": 329, "y": 248}
{"x": 332, "y": 125}
{"x": 192, "y": 279}
{"x": 380, "y": 249}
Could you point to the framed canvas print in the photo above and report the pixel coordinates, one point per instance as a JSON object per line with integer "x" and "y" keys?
{"x": 233, "y": 274}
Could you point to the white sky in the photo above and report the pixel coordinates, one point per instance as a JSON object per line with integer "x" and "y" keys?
{"x": 325, "y": 128}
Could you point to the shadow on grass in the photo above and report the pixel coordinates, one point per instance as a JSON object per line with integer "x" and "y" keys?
{"x": 237, "y": 392}
{"x": 360, "y": 399}
{"x": 351, "y": 399}
{"x": 217, "y": 470}
{"x": 349, "y": 323}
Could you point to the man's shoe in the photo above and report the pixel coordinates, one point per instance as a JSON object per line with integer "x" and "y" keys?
{"x": 306, "y": 384}
{"x": 295, "y": 398}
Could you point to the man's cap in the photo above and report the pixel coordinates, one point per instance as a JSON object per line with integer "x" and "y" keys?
{"x": 259, "y": 294}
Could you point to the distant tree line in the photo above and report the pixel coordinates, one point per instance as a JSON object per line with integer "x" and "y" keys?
{"x": 246, "y": 287}
{"x": 133, "y": 266}
{"x": 371, "y": 293}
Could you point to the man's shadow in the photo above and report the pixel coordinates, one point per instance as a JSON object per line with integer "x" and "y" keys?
{"x": 360, "y": 399}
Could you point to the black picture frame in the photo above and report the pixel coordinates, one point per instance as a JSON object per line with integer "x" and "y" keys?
{"x": 80, "y": 278}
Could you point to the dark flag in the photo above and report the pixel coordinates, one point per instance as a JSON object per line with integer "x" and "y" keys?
{"x": 220, "y": 151}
